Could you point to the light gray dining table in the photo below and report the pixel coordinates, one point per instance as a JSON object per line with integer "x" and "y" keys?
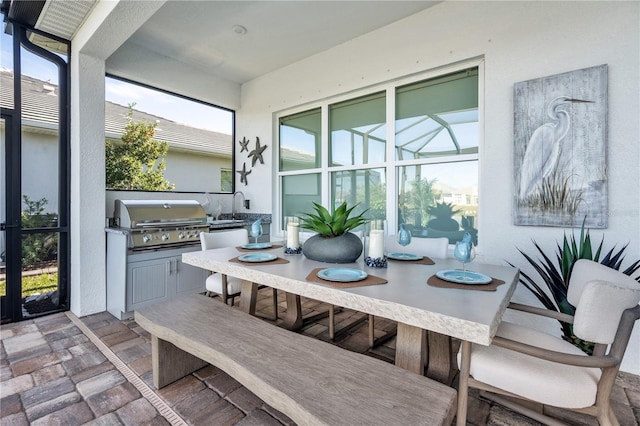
{"x": 427, "y": 316}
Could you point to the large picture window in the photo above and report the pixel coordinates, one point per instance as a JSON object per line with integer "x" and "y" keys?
{"x": 198, "y": 138}
{"x": 407, "y": 151}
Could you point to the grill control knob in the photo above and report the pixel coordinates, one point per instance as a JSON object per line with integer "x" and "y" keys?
{"x": 165, "y": 237}
{"x": 146, "y": 238}
{"x": 181, "y": 236}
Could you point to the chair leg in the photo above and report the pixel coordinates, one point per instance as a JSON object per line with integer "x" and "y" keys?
{"x": 275, "y": 304}
{"x": 332, "y": 322}
{"x": 225, "y": 294}
{"x": 463, "y": 386}
{"x": 606, "y": 417}
{"x": 372, "y": 340}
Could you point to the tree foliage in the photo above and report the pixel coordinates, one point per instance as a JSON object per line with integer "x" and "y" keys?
{"x": 137, "y": 162}
{"x": 38, "y": 248}
{"x": 420, "y": 199}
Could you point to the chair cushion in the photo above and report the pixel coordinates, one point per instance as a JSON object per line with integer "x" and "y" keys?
{"x": 600, "y": 308}
{"x": 214, "y": 284}
{"x": 585, "y": 270}
{"x": 532, "y": 378}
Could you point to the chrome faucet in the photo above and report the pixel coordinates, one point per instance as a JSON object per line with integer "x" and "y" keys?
{"x": 233, "y": 203}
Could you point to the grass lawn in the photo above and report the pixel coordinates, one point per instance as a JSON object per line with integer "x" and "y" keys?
{"x": 34, "y": 284}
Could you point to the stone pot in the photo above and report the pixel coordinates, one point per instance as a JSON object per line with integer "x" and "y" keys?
{"x": 343, "y": 249}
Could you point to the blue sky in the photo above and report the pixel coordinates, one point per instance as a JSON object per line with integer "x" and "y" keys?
{"x": 153, "y": 102}
{"x": 172, "y": 107}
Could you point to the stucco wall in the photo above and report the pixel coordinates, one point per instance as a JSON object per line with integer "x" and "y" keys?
{"x": 194, "y": 171}
{"x": 38, "y": 150}
{"x": 518, "y": 41}
{"x": 188, "y": 171}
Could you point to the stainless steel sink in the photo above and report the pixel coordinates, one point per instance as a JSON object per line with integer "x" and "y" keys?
{"x": 226, "y": 221}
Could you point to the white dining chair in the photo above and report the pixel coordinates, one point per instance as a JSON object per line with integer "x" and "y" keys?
{"x": 228, "y": 287}
{"x": 529, "y": 365}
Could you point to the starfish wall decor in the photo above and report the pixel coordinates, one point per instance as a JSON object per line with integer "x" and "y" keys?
{"x": 257, "y": 153}
{"x": 244, "y": 144}
{"x": 243, "y": 174}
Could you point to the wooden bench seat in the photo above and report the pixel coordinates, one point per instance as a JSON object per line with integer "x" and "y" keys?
{"x": 311, "y": 381}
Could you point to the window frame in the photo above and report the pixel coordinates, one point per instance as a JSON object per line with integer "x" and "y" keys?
{"x": 391, "y": 164}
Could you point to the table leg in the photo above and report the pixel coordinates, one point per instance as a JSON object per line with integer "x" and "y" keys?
{"x": 411, "y": 346}
{"x": 248, "y": 297}
{"x": 440, "y": 360}
{"x": 293, "y": 317}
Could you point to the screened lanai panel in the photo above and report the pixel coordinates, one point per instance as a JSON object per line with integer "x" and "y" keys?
{"x": 358, "y": 131}
{"x": 438, "y": 117}
{"x": 363, "y": 188}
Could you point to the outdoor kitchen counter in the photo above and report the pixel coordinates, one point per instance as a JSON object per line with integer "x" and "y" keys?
{"x": 119, "y": 231}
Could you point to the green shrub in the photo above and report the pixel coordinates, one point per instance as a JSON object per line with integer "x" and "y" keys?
{"x": 556, "y": 275}
{"x": 38, "y": 248}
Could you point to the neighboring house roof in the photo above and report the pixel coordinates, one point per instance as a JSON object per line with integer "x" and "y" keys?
{"x": 40, "y": 112}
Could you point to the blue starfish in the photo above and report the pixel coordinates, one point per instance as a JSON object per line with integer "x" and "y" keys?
{"x": 243, "y": 174}
{"x": 257, "y": 153}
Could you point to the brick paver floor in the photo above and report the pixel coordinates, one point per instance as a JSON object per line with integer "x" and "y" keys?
{"x": 53, "y": 374}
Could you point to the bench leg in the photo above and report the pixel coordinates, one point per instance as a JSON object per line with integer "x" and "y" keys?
{"x": 171, "y": 363}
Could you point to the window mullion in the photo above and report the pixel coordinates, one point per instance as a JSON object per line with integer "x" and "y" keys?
{"x": 325, "y": 178}
{"x": 392, "y": 194}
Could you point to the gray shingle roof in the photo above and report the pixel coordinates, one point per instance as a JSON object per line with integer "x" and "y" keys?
{"x": 40, "y": 111}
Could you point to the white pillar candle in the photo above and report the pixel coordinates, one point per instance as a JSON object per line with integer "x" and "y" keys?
{"x": 293, "y": 237}
{"x": 376, "y": 243}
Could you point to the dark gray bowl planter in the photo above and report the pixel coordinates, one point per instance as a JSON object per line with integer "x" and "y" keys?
{"x": 343, "y": 249}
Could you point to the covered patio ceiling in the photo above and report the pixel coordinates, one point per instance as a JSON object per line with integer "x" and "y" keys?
{"x": 235, "y": 41}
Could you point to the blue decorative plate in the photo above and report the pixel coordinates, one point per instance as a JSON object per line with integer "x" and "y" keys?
{"x": 257, "y": 257}
{"x": 342, "y": 275}
{"x": 404, "y": 256}
{"x": 256, "y": 246}
{"x": 463, "y": 277}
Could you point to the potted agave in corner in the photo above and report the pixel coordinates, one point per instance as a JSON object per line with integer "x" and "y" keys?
{"x": 333, "y": 242}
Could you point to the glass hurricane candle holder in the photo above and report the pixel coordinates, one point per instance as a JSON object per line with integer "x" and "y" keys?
{"x": 292, "y": 243}
{"x": 375, "y": 244}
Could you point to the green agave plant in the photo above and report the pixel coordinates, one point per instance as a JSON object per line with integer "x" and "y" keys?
{"x": 556, "y": 275}
{"x": 332, "y": 225}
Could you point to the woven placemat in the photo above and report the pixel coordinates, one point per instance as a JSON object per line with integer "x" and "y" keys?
{"x": 370, "y": 280}
{"x": 437, "y": 282}
{"x": 276, "y": 261}
{"x": 274, "y": 246}
{"x": 424, "y": 261}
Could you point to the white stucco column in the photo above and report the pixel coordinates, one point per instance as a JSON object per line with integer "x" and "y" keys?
{"x": 88, "y": 286}
{"x": 108, "y": 26}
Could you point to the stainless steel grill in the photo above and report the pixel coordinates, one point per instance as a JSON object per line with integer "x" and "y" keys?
{"x": 152, "y": 224}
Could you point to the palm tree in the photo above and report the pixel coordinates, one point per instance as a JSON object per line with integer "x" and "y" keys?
{"x": 422, "y": 196}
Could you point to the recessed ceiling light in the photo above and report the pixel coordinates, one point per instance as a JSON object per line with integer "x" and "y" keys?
{"x": 239, "y": 29}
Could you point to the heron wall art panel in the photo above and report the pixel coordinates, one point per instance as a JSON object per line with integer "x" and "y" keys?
{"x": 560, "y": 131}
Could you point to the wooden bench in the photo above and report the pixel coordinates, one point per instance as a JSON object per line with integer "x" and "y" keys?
{"x": 311, "y": 381}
